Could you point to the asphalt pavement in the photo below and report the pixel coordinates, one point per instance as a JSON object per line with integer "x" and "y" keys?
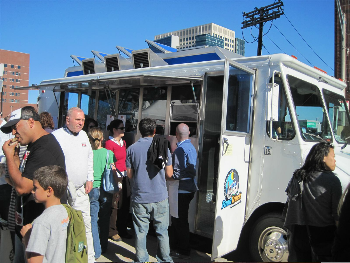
{"x": 124, "y": 251}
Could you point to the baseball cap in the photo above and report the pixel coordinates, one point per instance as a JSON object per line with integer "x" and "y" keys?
{"x": 24, "y": 113}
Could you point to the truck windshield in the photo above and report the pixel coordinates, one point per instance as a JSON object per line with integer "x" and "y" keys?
{"x": 311, "y": 115}
{"x": 338, "y": 115}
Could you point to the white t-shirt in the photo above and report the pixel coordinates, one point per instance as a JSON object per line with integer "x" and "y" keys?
{"x": 49, "y": 234}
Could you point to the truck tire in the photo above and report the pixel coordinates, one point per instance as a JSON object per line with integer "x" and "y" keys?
{"x": 268, "y": 239}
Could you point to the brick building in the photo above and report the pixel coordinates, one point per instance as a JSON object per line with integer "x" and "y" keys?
{"x": 345, "y": 7}
{"x": 15, "y": 74}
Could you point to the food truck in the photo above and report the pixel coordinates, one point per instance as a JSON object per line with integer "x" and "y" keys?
{"x": 252, "y": 120}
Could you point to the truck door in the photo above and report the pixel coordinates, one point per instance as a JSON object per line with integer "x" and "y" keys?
{"x": 233, "y": 158}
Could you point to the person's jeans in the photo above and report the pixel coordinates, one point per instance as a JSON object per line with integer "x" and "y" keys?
{"x": 142, "y": 215}
{"x": 94, "y": 195}
{"x": 104, "y": 215}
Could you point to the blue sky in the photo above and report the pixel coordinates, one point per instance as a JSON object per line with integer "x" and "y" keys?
{"x": 52, "y": 30}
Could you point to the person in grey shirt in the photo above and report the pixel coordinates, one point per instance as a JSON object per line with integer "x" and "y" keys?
{"x": 149, "y": 194}
{"x": 46, "y": 239}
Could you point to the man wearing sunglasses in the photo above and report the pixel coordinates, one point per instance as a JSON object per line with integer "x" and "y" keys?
{"x": 43, "y": 149}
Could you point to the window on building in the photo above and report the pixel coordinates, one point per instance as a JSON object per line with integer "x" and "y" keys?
{"x": 5, "y": 72}
{"x": 12, "y": 66}
{"x": 5, "y": 65}
{"x": 4, "y": 86}
{"x": 4, "y": 100}
{"x": 13, "y": 73}
{"x": 17, "y": 101}
{"x": 17, "y": 80}
{"x": 12, "y": 100}
{"x": 4, "y": 93}
{"x": 19, "y": 67}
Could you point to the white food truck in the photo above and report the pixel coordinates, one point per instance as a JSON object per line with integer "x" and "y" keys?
{"x": 253, "y": 120}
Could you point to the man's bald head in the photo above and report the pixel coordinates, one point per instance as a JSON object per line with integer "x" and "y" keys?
{"x": 182, "y": 131}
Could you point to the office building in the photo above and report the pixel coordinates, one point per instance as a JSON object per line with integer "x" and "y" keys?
{"x": 240, "y": 46}
{"x": 187, "y": 37}
{"x": 345, "y": 8}
{"x": 15, "y": 73}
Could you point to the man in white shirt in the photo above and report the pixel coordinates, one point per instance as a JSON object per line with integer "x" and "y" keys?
{"x": 79, "y": 166}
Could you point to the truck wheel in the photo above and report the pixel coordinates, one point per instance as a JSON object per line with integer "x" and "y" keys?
{"x": 268, "y": 239}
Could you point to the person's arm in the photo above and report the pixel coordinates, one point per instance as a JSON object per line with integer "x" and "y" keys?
{"x": 129, "y": 172}
{"x": 22, "y": 184}
{"x": 178, "y": 163}
{"x": 169, "y": 172}
{"x": 90, "y": 175}
{"x": 34, "y": 257}
{"x": 31, "y": 256}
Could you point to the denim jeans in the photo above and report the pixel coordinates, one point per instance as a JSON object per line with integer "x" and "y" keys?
{"x": 104, "y": 217}
{"x": 94, "y": 195}
{"x": 142, "y": 215}
{"x": 100, "y": 208}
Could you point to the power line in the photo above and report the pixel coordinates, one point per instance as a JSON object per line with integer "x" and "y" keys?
{"x": 307, "y": 43}
{"x": 293, "y": 45}
{"x": 275, "y": 44}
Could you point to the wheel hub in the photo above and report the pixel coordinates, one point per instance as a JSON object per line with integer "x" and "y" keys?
{"x": 273, "y": 245}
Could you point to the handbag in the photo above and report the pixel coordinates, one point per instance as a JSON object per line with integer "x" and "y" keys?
{"x": 108, "y": 183}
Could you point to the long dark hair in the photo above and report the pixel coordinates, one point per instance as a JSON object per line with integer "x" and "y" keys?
{"x": 314, "y": 160}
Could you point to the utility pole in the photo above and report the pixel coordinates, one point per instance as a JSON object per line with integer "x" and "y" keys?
{"x": 342, "y": 22}
{"x": 261, "y": 15}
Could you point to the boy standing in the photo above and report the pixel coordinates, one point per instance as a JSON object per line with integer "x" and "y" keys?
{"x": 45, "y": 239}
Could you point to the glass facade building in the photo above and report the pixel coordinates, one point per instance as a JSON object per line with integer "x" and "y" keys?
{"x": 188, "y": 37}
{"x": 208, "y": 40}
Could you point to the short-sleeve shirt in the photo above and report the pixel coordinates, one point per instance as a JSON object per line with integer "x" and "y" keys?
{"x": 149, "y": 183}
{"x": 44, "y": 151}
{"x": 49, "y": 234}
{"x": 100, "y": 157}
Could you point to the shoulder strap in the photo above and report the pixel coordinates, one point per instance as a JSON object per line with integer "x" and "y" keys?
{"x": 107, "y": 158}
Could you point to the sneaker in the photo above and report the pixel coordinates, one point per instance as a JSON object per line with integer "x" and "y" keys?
{"x": 116, "y": 237}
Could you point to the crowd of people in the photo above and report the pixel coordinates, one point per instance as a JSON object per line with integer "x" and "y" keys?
{"x": 43, "y": 168}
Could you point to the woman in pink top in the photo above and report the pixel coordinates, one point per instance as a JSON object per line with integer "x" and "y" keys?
{"x": 118, "y": 228}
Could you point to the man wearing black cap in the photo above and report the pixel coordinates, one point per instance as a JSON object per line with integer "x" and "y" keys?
{"x": 43, "y": 149}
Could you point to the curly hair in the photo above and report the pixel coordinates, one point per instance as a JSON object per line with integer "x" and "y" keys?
{"x": 46, "y": 120}
{"x": 95, "y": 136}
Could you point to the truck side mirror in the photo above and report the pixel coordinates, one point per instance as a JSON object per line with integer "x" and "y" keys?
{"x": 272, "y": 107}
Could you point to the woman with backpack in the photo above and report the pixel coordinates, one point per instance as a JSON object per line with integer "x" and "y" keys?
{"x": 100, "y": 201}
{"x": 313, "y": 196}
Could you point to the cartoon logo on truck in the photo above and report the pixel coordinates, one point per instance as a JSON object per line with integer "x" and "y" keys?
{"x": 231, "y": 189}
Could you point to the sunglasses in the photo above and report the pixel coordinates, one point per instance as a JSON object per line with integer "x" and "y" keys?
{"x": 121, "y": 128}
